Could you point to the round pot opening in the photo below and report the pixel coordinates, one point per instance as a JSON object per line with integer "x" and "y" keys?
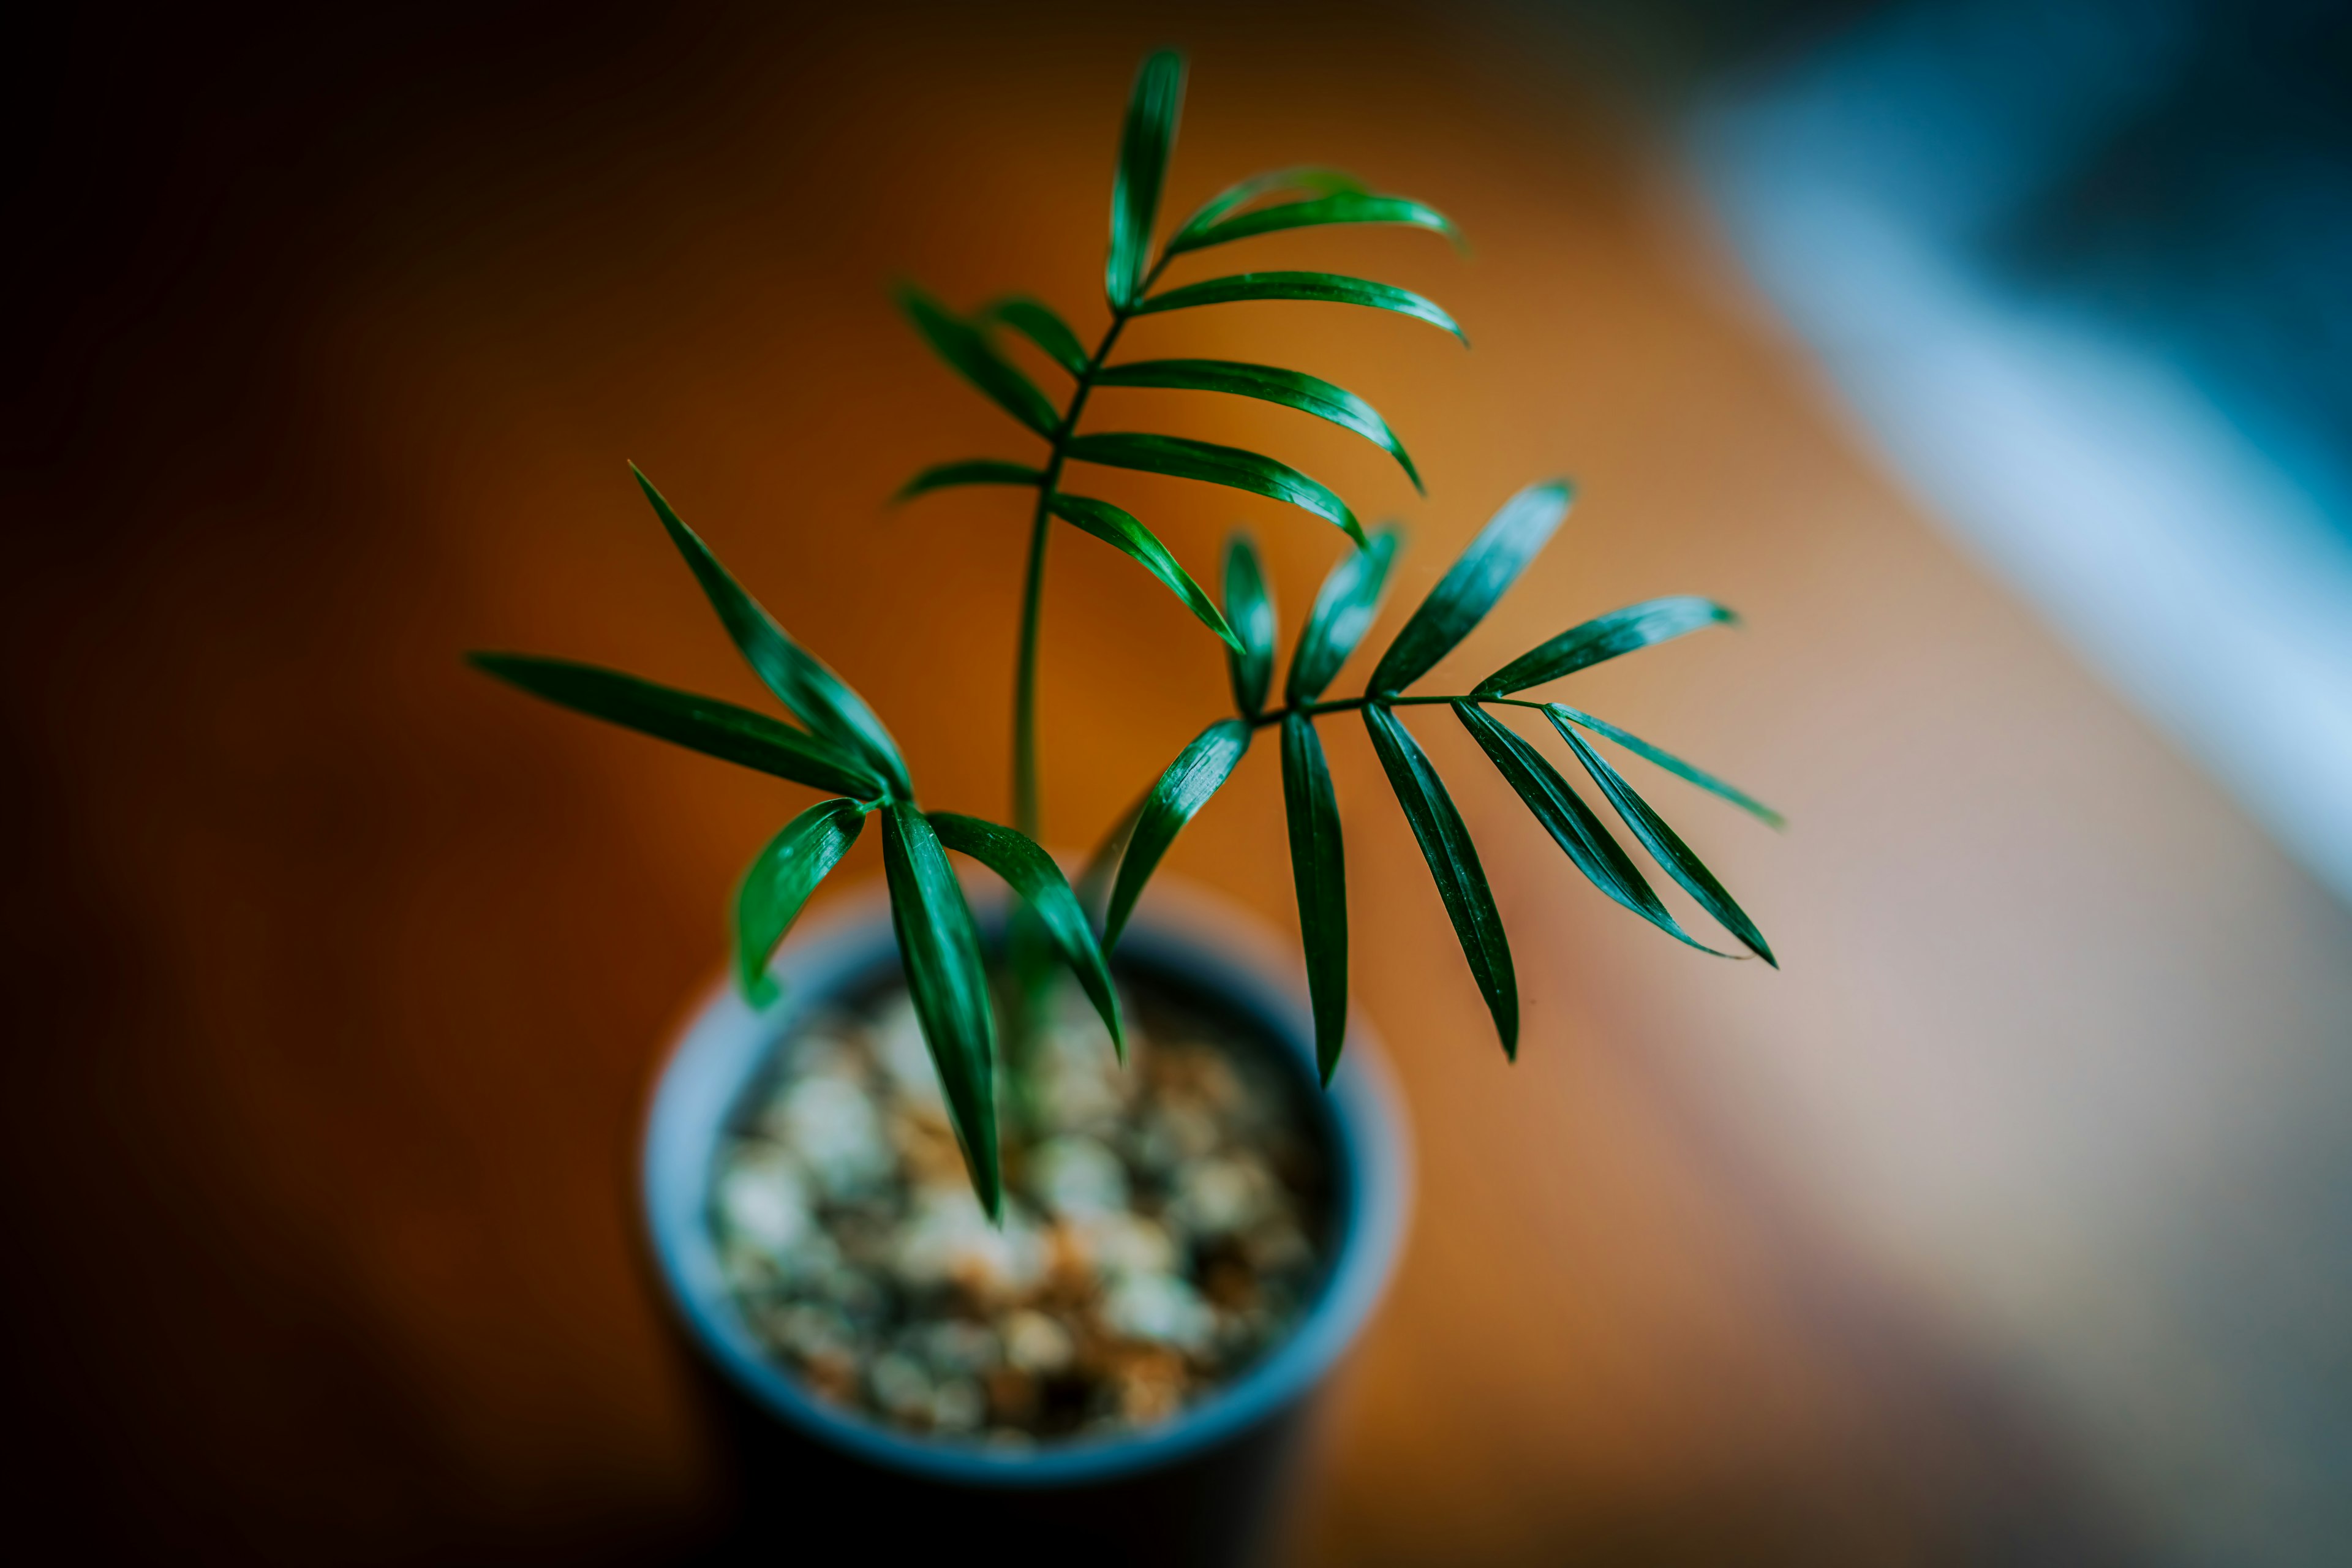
{"x": 1187, "y": 953}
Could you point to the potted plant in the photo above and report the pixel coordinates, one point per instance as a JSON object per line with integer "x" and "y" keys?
{"x": 1064, "y": 1209}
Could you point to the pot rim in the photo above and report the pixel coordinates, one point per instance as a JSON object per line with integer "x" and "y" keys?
{"x": 1198, "y": 935}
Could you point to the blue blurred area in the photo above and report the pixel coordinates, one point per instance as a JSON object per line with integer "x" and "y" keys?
{"x": 2084, "y": 267}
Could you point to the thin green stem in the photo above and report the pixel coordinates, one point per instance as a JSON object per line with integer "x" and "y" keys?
{"x": 1027, "y": 810}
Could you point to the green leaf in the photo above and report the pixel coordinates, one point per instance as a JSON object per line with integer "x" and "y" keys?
{"x": 1472, "y": 585}
{"x": 1243, "y": 470}
{"x": 968, "y": 471}
{"x": 1317, "y": 182}
{"x": 1344, "y": 206}
{"x": 1291, "y": 388}
{"x": 1569, "y": 821}
{"x": 1125, "y": 534}
{"x": 1143, "y": 148}
{"x": 1604, "y": 637}
{"x": 800, "y": 680}
{"x": 1665, "y": 846}
{"x": 1318, "y": 869}
{"x": 1182, "y": 791}
{"x": 1330, "y": 288}
{"x": 1672, "y": 763}
{"x": 1030, "y": 872}
{"x": 704, "y": 724}
{"x": 779, "y": 881}
{"x": 1250, "y": 612}
{"x": 968, "y": 350}
{"x": 1343, "y": 613}
{"x": 1453, "y": 864}
{"x": 1036, "y": 320}
{"x": 940, "y": 950}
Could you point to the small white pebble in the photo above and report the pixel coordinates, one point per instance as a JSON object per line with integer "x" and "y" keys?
{"x": 1119, "y": 1244}
{"x": 900, "y": 1384}
{"x": 1036, "y": 1345}
{"x": 959, "y": 1406}
{"x": 831, "y": 1124}
{"x": 1220, "y": 1196}
{"x": 764, "y": 1203}
{"x": 1074, "y": 1176}
{"x": 1161, "y": 1310}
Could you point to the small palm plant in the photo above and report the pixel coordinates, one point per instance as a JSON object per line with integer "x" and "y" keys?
{"x": 841, "y": 748}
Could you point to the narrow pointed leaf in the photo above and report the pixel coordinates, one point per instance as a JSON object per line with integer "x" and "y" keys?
{"x": 1344, "y": 608}
{"x": 778, "y": 883}
{"x": 1036, "y": 320}
{"x": 1143, "y": 148}
{"x": 1672, "y": 763}
{"x": 1250, "y": 612}
{"x": 940, "y": 950}
{"x": 970, "y": 354}
{"x": 1315, "y": 181}
{"x": 1182, "y": 791}
{"x": 1604, "y": 637}
{"x": 1454, "y": 865}
{"x": 1291, "y": 388}
{"x": 1343, "y": 207}
{"x": 1472, "y": 585}
{"x": 1318, "y": 870}
{"x": 1570, "y": 822}
{"x": 1665, "y": 846}
{"x": 1244, "y": 471}
{"x": 1030, "y": 872}
{"x": 798, "y": 677}
{"x": 1124, "y": 533}
{"x": 704, "y": 724}
{"x": 967, "y": 471}
{"x": 1329, "y": 288}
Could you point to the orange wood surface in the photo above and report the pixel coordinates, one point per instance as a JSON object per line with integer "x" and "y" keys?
{"x": 340, "y": 972}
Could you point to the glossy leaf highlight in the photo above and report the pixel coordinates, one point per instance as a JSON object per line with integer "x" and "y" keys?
{"x": 1471, "y": 585}
{"x": 778, "y": 882}
{"x": 798, "y": 677}
{"x": 704, "y": 724}
{"x": 1144, "y": 145}
{"x": 1243, "y": 470}
{"x": 967, "y": 471}
{"x": 1196, "y": 774}
{"x": 1250, "y": 612}
{"x": 1342, "y": 206}
{"x": 1605, "y": 637}
{"x": 1327, "y": 288}
{"x": 1124, "y": 533}
{"x": 940, "y": 950}
{"x": 1672, "y": 763}
{"x": 1453, "y": 866}
{"x": 1030, "y": 873}
{"x": 1268, "y": 384}
{"x": 1036, "y": 320}
{"x": 1344, "y": 608}
{"x": 970, "y": 354}
{"x": 1570, "y": 822}
{"x": 1318, "y": 872}
{"x": 1312, "y": 181}
{"x": 1665, "y": 846}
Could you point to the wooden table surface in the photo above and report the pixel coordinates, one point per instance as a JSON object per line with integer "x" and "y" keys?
{"x": 341, "y": 973}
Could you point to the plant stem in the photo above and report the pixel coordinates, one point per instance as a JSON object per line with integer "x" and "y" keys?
{"x": 1027, "y": 811}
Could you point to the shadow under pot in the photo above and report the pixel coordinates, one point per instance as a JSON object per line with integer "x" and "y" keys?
{"x": 1122, "y": 1370}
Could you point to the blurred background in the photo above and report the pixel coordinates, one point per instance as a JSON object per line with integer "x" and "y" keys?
{"x": 1990, "y": 356}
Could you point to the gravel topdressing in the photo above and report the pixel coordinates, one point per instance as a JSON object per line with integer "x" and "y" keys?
{"x": 1163, "y": 1227}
